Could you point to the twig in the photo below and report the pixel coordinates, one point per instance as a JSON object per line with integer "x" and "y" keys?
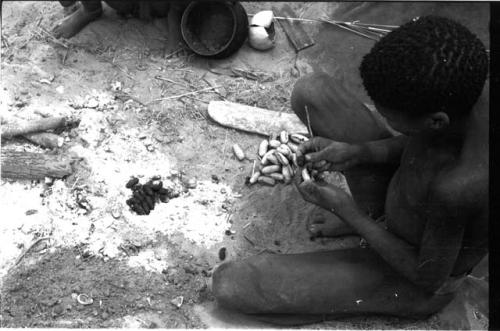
{"x": 65, "y": 56}
{"x": 248, "y": 239}
{"x": 308, "y": 122}
{"x": 29, "y": 248}
{"x": 169, "y": 80}
{"x": 54, "y": 39}
{"x": 377, "y": 25}
{"x": 185, "y": 94}
{"x": 173, "y": 53}
{"x": 224, "y": 150}
{"x": 350, "y": 29}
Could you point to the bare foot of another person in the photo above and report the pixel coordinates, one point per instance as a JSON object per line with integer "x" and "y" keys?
{"x": 174, "y": 38}
{"x": 71, "y": 25}
{"x": 322, "y": 223}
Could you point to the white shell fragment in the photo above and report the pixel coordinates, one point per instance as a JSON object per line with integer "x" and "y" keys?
{"x": 84, "y": 299}
{"x": 177, "y": 301}
{"x": 263, "y": 18}
{"x": 261, "y": 32}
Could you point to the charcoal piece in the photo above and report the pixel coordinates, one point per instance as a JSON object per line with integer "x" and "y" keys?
{"x": 138, "y": 209}
{"x": 164, "y": 198}
{"x": 130, "y": 202}
{"x": 139, "y": 195}
{"x": 222, "y": 253}
{"x": 156, "y": 177}
{"x": 145, "y": 206}
{"x": 157, "y": 197}
{"x": 148, "y": 190}
{"x": 133, "y": 181}
{"x": 156, "y": 185}
{"x": 137, "y": 187}
{"x": 151, "y": 203}
{"x": 163, "y": 191}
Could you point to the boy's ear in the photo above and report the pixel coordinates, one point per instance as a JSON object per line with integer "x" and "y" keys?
{"x": 437, "y": 121}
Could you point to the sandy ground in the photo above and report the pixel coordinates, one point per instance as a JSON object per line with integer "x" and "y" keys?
{"x": 141, "y": 271}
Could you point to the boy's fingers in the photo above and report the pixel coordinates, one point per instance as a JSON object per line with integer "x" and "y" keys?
{"x": 307, "y": 146}
{"x": 315, "y": 157}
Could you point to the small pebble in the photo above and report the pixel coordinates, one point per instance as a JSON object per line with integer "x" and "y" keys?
{"x": 31, "y": 212}
{"x": 58, "y": 310}
{"x": 178, "y": 301}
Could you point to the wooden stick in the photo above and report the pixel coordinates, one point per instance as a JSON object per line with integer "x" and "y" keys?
{"x": 18, "y": 127}
{"x": 27, "y": 165}
{"x": 45, "y": 139}
{"x": 309, "y": 122}
{"x": 185, "y": 94}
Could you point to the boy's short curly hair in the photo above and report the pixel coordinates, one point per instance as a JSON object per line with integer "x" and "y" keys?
{"x": 427, "y": 65}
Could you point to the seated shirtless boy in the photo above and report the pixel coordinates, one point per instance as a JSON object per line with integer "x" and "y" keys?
{"x": 91, "y": 10}
{"x": 426, "y": 78}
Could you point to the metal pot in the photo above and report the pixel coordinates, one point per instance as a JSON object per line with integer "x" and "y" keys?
{"x": 214, "y": 29}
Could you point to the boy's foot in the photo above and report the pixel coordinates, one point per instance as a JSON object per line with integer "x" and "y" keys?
{"x": 68, "y": 10}
{"x": 322, "y": 223}
{"x": 71, "y": 25}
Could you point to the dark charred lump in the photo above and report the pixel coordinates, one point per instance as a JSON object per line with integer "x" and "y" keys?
{"x": 145, "y": 196}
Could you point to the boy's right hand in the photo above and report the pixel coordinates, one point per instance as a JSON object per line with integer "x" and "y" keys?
{"x": 339, "y": 155}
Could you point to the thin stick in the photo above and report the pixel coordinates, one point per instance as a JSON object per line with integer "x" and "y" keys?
{"x": 253, "y": 168}
{"x": 224, "y": 150}
{"x": 309, "y": 122}
{"x": 318, "y": 21}
{"x": 377, "y": 29}
{"x": 248, "y": 239}
{"x": 169, "y": 80}
{"x": 350, "y": 29}
{"x": 173, "y": 53}
{"x": 377, "y": 25}
{"x": 185, "y": 94}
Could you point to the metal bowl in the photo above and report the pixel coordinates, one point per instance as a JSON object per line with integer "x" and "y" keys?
{"x": 214, "y": 29}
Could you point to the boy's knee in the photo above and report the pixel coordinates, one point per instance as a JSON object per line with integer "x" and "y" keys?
{"x": 308, "y": 85}
{"x": 309, "y": 89}
{"x": 221, "y": 283}
{"x": 233, "y": 286}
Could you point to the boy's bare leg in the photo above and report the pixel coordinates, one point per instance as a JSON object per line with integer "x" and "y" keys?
{"x": 320, "y": 285}
{"x": 174, "y": 37}
{"x": 74, "y": 23}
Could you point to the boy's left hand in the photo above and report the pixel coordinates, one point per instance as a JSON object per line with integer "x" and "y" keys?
{"x": 327, "y": 196}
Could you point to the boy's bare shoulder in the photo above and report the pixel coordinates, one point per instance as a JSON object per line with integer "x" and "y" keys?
{"x": 461, "y": 188}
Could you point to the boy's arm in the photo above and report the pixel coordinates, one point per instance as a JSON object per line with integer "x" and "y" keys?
{"x": 383, "y": 151}
{"x": 343, "y": 155}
